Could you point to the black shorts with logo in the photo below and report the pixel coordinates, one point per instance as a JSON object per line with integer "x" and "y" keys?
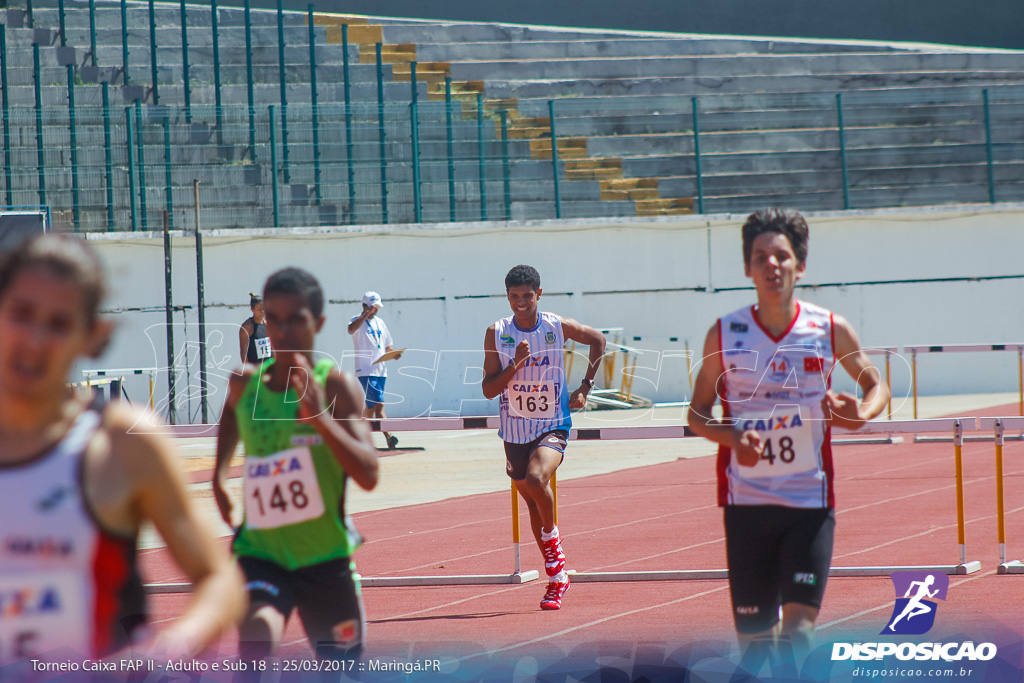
{"x": 518, "y": 454}
{"x": 776, "y": 555}
{"x": 327, "y": 596}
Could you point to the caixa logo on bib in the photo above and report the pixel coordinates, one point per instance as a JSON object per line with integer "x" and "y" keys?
{"x": 914, "y": 614}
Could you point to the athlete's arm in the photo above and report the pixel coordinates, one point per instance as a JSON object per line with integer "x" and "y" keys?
{"x": 584, "y": 334}
{"x": 746, "y": 445}
{"x": 243, "y": 340}
{"x": 141, "y": 482}
{"x": 844, "y": 410}
{"x": 496, "y": 378}
{"x": 339, "y": 423}
{"x": 227, "y": 442}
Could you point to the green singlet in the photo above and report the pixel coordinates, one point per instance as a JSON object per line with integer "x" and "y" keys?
{"x": 294, "y": 486}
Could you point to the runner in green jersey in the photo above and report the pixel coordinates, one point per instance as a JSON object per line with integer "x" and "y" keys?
{"x": 303, "y": 437}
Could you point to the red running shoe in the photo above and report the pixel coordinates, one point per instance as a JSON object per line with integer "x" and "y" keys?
{"x": 554, "y": 558}
{"x": 553, "y": 595}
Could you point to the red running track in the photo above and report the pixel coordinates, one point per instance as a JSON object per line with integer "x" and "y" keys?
{"x": 896, "y": 505}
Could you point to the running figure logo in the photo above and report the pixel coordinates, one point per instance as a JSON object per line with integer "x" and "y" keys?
{"x": 914, "y": 612}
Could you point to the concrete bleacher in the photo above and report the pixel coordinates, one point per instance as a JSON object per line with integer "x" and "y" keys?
{"x": 624, "y": 105}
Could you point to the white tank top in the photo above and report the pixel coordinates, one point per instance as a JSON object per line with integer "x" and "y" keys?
{"x": 775, "y": 386}
{"x": 536, "y": 400}
{"x": 68, "y": 589}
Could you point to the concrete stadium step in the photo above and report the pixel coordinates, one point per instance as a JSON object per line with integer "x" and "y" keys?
{"x": 784, "y": 83}
{"x": 594, "y": 169}
{"x": 626, "y": 47}
{"x": 629, "y": 188}
{"x": 725, "y": 66}
{"x": 664, "y": 207}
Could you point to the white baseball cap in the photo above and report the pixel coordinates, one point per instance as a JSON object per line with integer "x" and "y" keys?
{"x": 372, "y": 299}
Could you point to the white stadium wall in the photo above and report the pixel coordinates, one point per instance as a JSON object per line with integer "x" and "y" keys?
{"x": 902, "y": 277}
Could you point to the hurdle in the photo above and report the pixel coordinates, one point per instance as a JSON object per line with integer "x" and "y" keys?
{"x": 889, "y": 427}
{"x": 998, "y": 425}
{"x": 968, "y": 348}
{"x": 94, "y": 377}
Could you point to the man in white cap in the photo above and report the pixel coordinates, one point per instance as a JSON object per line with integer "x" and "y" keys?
{"x": 372, "y": 339}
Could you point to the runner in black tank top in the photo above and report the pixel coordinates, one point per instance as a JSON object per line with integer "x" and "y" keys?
{"x": 254, "y": 329}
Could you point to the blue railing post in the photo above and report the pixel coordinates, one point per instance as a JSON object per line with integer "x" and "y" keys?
{"x": 184, "y": 64}
{"x": 92, "y": 31}
{"x": 144, "y": 214}
{"x": 168, "y": 176}
{"x": 842, "y": 151}
{"x": 416, "y": 189}
{"x": 152, "y": 52}
{"x": 382, "y": 137}
{"x": 218, "y": 105}
{"x": 554, "y": 159}
{"x": 108, "y": 159}
{"x": 249, "y": 81}
{"x": 61, "y": 23}
{"x": 8, "y": 170}
{"x": 283, "y": 78}
{"x": 130, "y": 148}
{"x": 76, "y": 209}
{"x": 412, "y": 81}
{"x": 125, "y": 77}
{"x": 40, "y": 157}
{"x": 273, "y": 168}
{"x": 451, "y": 148}
{"x": 318, "y": 190}
{"x": 348, "y": 125}
{"x": 505, "y": 171}
{"x": 482, "y": 153}
{"x": 988, "y": 148}
{"x": 696, "y": 156}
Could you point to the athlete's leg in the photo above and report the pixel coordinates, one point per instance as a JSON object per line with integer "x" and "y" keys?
{"x": 270, "y": 602}
{"x": 259, "y": 636}
{"x": 798, "y": 627}
{"x": 536, "y": 490}
{"x": 805, "y": 554}
{"x": 331, "y": 608}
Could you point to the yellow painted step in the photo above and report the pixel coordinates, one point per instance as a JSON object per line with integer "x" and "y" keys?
{"x": 643, "y": 194}
{"x": 390, "y": 53}
{"x": 325, "y": 19}
{"x": 677, "y": 206}
{"x": 598, "y": 162}
{"x": 369, "y": 33}
{"x": 568, "y": 148}
{"x": 630, "y": 184}
{"x": 592, "y": 173}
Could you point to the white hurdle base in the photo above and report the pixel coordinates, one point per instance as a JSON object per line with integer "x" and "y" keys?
{"x": 384, "y": 581}
{"x": 680, "y": 575}
{"x": 457, "y": 580}
{"x": 1014, "y": 567}
{"x": 722, "y": 574}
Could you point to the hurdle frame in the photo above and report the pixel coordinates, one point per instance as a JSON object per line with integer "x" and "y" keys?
{"x": 968, "y": 348}
{"x": 998, "y": 425}
{"x": 888, "y": 427}
{"x": 120, "y": 374}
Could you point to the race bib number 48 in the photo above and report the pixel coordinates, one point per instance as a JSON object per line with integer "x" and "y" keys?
{"x": 281, "y": 489}
{"x": 788, "y": 446}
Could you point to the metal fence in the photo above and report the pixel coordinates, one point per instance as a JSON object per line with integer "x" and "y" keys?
{"x": 100, "y": 164}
